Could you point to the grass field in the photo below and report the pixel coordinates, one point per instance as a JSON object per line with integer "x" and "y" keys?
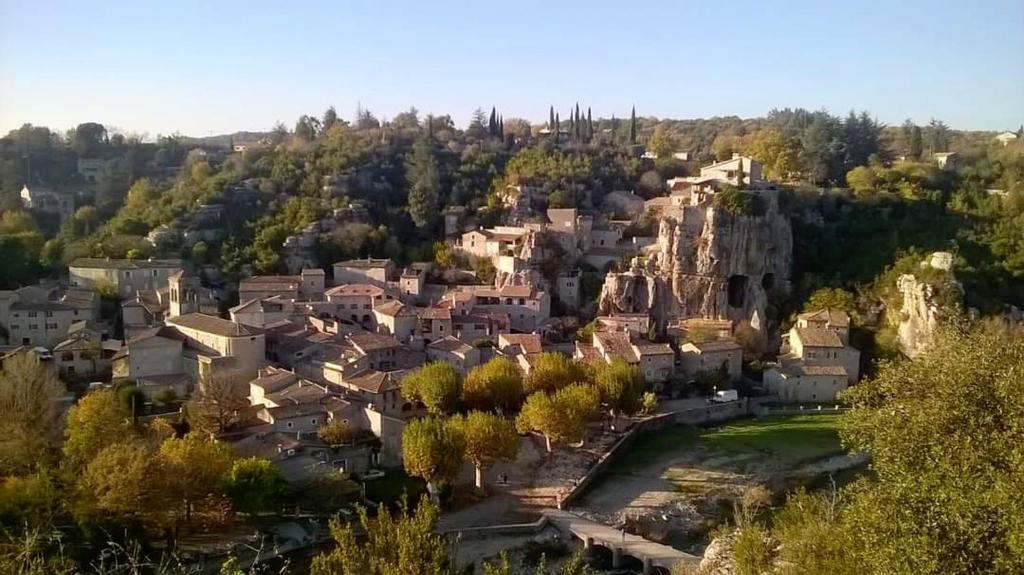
{"x": 790, "y": 438}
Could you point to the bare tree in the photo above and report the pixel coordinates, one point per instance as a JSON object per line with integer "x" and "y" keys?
{"x": 216, "y": 404}
{"x": 28, "y": 394}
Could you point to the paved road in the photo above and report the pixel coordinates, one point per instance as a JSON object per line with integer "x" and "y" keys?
{"x": 625, "y": 544}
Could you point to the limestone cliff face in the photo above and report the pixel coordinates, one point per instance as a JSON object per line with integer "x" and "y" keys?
{"x": 925, "y": 304}
{"x": 708, "y": 264}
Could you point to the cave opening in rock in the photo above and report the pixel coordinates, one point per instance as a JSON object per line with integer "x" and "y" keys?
{"x": 768, "y": 281}
{"x": 737, "y": 290}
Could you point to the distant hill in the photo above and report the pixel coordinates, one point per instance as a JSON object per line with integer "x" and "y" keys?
{"x": 224, "y": 140}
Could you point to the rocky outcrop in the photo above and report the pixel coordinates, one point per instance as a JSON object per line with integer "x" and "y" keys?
{"x": 708, "y": 264}
{"x": 926, "y": 301}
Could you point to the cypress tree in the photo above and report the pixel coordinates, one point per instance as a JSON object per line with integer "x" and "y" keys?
{"x": 632, "y": 127}
{"x": 572, "y": 125}
{"x": 590, "y": 126}
{"x": 492, "y": 123}
{"x": 551, "y": 120}
{"x": 558, "y": 126}
{"x": 615, "y": 127}
{"x": 501, "y": 127}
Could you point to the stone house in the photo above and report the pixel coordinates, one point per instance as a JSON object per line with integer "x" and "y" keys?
{"x": 260, "y": 313}
{"x": 218, "y": 347}
{"x": 655, "y": 360}
{"x": 395, "y": 318}
{"x": 41, "y": 315}
{"x": 127, "y": 277}
{"x": 372, "y": 271}
{"x": 816, "y": 361}
{"x": 710, "y": 356}
{"x": 455, "y": 352}
{"x": 307, "y": 286}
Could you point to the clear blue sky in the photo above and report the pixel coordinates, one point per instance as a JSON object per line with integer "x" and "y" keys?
{"x": 220, "y": 66}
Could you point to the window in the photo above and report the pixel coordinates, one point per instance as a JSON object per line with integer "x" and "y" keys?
{"x": 15, "y": 326}
{"x": 33, "y": 326}
{"x": 312, "y": 421}
{"x": 127, "y": 274}
{"x": 522, "y": 301}
{"x": 290, "y": 425}
{"x": 155, "y": 273}
{"x": 76, "y": 312}
{"x": 67, "y": 356}
{"x": 353, "y": 306}
{"x": 49, "y": 314}
{"x": 33, "y": 314}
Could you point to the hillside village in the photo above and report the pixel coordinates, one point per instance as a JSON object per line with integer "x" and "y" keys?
{"x": 306, "y": 349}
{"x": 566, "y": 325}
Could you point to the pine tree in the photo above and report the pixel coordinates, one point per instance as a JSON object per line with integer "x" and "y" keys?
{"x": 422, "y": 174}
{"x": 632, "y": 127}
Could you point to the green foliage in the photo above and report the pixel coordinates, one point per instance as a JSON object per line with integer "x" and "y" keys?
{"x": 336, "y": 432}
{"x": 551, "y": 371}
{"x": 495, "y": 385}
{"x": 736, "y": 202}
{"x": 402, "y": 543}
{"x": 831, "y": 298}
{"x": 621, "y": 386}
{"x": 433, "y": 449}
{"x": 437, "y": 385}
{"x": 752, "y": 551}
{"x": 424, "y": 185}
{"x": 255, "y": 485}
{"x": 562, "y": 416}
{"x": 488, "y": 439}
{"x": 96, "y": 421}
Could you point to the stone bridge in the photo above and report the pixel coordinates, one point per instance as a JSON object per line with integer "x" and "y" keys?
{"x": 656, "y": 558}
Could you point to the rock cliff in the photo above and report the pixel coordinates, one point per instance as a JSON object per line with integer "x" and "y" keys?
{"x": 926, "y": 301}
{"x": 708, "y": 264}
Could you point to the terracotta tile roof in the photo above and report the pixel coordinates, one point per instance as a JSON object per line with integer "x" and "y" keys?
{"x": 394, "y": 308}
{"x": 363, "y": 264}
{"x": 374, "y": 381}
{"x": 434, "y": 313}
{"x": 823, "y": 370}
{"x": 368, "y": 341}
{"x": 355, "y": 289}
{"x": 833, "y": 317}
{"x": 615, "y": 344}
{"x": 274, "y": 382}
{"x": 212, "y": 324}
{"x": 529, "y": 342}
{"x": 112, "y": 264}
{"x": 818, "y": 337}
{"x": 650, "y": 348}
{"x": 716, "y": 345}
{"x": 451, "y": 344}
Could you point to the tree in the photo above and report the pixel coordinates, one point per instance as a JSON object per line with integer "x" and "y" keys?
{"x": 632, "y": 127}
{"x": 437, "y": 385}
{"x": 862, "y": 180}
{"x": 779, "y": 155}
{"x": 663, "y": 142}
{"x": 193, "y": 470}
{"x": 119, "y": 481}
{"x": 434, "y": 450}
{"x": 255, "y": 485}
{"x": 488, "y": 438}
{"x": 424, "y": 184}
{"x": 562, "y": 416}
{"x": 89, "y": 139}
{"x": 495, "y": 385}
{"x": 403, "y": 543}
{"x": 216, "y": 404}
{"x": 552, "y": 371}
{"x": 28, "y": 392}
{"x": 330, "y": 118}
{"x": 96, "y": 421}
{"x": 336, "y": 432}
{"x": 831, "y": 298}
{"x": 943, "y": 497}
{"x": 621, "y": 386}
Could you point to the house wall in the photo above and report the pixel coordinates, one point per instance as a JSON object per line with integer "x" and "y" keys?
{"x": 804, "y": 389}
{"x": 158, "y": 356}
{"x": 657, "y": 368}
{"x": 389, "y": 430}
{"x": 127, "y": 282}
{"x": 694, "y": 362}
{"x": 42, "y": 327}
{"x": 347, "y": 275}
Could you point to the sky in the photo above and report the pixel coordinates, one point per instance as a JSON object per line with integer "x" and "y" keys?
{"x": 202, "y": 68}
